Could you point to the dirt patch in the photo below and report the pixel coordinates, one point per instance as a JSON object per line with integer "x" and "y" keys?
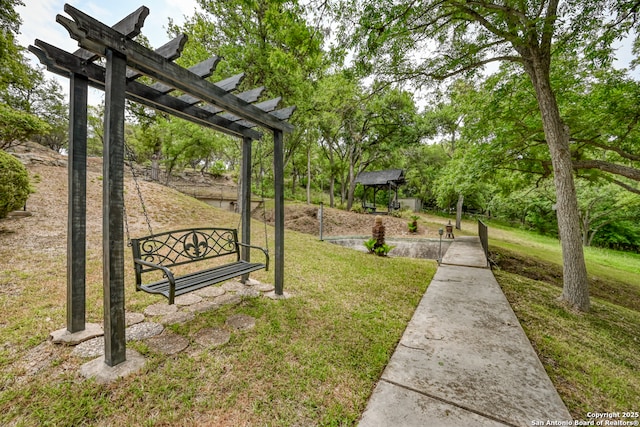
{"x": 47, "y": 226}
{"x": 531, "y": 268}
{"x": 305, "y": 219}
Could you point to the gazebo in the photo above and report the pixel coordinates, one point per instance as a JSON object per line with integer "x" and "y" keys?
{"x": 389, "y": 179}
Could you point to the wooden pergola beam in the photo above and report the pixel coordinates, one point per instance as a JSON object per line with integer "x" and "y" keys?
{"x": 63, "y": 63}
{"x": 130, "y": 26}
{"x": 95, "y": 36}
{"x": 170, "y": 50}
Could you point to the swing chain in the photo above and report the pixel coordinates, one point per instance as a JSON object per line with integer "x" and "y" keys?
{"x": 264, "y": 207}
{"x": 129, "y": 161}
{"x": 262, "y": 198}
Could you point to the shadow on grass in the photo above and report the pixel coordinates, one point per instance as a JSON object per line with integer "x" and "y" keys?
{"x": 613, "y": 291}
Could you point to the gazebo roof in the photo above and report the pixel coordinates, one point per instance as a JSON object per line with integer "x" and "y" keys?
{"x": 383, "y": 177}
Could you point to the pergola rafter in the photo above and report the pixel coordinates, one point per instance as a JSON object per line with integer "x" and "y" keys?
{"x": 63, "y": 63}
{"x": 97, "y": 37}
{"x": 198, "y": 100}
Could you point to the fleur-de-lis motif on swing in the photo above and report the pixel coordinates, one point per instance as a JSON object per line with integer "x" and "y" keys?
{"x": 197, "y": 248}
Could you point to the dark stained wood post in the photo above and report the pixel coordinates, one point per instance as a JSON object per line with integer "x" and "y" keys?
{"x": 278, "y": 172}
{"x": 245, "y": 199}
{"x": 112, "y": 215}
{"x": 77, "y": 207}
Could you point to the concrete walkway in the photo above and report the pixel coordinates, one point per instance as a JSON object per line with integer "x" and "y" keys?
{"x": 464, "y": 360}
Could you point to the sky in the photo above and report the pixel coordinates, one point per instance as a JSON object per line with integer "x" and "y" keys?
{"x": 39, "y": 22}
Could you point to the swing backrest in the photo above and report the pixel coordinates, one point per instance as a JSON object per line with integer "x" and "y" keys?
{"x": 179, "y": 247}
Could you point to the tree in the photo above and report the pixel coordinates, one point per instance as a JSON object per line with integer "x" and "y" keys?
{"x": 12, "y": 66}
{"x": 272, "y": 44}
{"x": 48, "y": 104}
{"x": 601, "y": 107}
{"x": 423, "y": 164}
{"x": 456, "y": 38}
{"x": 602, "y": 205}
{"x": 448, "y": 118}
{"x": 336, "y": 94}
{"x": 14, "y": 184}
{"x": 17, "y": 124}
{"x": 382, "y": 120}
{"x": 95, "y": 130}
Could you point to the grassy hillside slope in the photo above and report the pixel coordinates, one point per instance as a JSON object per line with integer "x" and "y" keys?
{"x": 592, "y": 358}
{"x": 310, "y": 360}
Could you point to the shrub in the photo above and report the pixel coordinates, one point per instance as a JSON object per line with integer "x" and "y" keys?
{"x": 413, "y": 225}
{"x": 370, "y": 245}
{"x": 374, "y": 248}
{"x": 14, "y": 184}
{"x": 18, "y": 126}
{"x": 217, "y": 169}
{"x": 357, "y": 209}
{"x": 383, "y": 249}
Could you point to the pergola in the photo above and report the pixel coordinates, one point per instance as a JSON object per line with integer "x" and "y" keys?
{"x": 175, "y": 90}
{"x": 389, "y": 180}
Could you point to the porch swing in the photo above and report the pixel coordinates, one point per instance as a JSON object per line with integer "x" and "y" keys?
{"x": 165, "y": 251}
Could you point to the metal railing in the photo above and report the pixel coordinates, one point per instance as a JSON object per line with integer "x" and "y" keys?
{"x": 483, "y": 233}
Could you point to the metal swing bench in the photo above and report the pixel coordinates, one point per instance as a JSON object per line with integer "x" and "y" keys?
{"x": 168, "y": 250}
{"x": 164, "y": 251}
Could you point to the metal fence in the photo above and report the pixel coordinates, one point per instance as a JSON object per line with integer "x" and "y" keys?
{"x": 483, "y": 233}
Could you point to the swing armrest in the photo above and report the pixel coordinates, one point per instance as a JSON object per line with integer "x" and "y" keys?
{"x": 165, "y": 270}
{"x": 264, "y": 251}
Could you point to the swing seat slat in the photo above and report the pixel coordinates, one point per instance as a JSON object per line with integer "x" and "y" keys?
{"x": 164, "y": 251}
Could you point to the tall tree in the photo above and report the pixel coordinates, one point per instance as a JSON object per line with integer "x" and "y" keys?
{"x": 17, "y": 123}
{"x": 12, "y": 67}
{"x": 454, "y": 37}
{"x": 269, "y": 41}
{"x": 449, "y": 117}
{"x": 380, "y": 120}
{"x": 336, "y": 95}
{"x": 601, "y": 107}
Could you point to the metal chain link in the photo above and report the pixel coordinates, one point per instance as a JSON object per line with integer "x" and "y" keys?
{"x": 128, "y": 159}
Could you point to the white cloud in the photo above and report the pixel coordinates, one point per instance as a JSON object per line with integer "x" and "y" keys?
{"x": 39, "y": 22}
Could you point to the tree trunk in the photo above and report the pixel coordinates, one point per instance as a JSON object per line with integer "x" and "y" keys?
{"x": 575, "y": 289}
{"x": 309, "y": 174}
{"x": 352, "y": 186}
{"x": 585, "y": 229}
{"x": 293, "y": 181}
{"x": 332, "y": 187}
{"x": 459, "y": 211}
{"x": 155, "y": 166}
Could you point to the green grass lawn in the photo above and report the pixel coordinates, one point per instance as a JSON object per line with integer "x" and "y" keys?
{"x": 313, "y": 359}
{"x": 592, "y": 358}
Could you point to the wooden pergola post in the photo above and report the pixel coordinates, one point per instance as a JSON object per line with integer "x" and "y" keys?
{"x": 112, "y": 214}
{"x": 77, "y": 214}
{"x": 245, "y": 199}
{"x": 278, "y": 175}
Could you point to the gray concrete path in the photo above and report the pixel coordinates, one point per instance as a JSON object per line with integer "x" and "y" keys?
{"x": 464, "y": 360}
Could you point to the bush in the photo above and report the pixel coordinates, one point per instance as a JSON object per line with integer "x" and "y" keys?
{"x": 18, "y": 126}
{"x": 217, "y": 169}
{"x": 14, "y": 184}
